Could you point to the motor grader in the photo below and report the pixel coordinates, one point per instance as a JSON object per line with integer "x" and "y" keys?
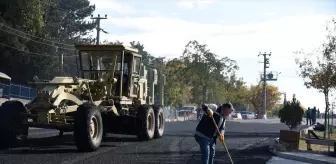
{"x": 114, "y": 94}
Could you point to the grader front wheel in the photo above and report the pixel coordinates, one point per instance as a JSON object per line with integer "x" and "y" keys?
{"x": 88, "y": 132}
{"x": 12, "y": 127}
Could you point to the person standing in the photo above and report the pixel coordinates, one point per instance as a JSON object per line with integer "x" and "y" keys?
{"x": 206, "y": 132}
{"x": 308, "y": 116}
{"x": 198, "y": 110}
{"x": 313, "y": 115}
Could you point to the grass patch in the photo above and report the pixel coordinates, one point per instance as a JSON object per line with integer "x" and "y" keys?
{"x": 332, "y": 135}
{"x": 318, "y": 148}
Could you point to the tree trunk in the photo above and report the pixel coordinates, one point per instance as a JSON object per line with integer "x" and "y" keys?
{"x": 326, "y": 98}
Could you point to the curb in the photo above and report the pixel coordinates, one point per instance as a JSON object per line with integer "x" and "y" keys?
{"x": 286, "y": 155}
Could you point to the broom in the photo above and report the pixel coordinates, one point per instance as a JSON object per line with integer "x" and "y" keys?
{"x": 213, "y": 120}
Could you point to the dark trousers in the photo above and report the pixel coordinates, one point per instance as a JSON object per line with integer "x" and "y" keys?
{"x": 198, "y": 116}
{"x": 208, "y": 148}
{"x": 308, "y": 121}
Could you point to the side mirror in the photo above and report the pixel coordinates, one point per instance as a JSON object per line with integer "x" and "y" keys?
{"x": 35, "y": 79}
{"x": 75, "y": 79}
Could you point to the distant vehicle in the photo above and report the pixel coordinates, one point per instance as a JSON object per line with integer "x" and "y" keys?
{"x": 5, "y": 81}
{"x": 236, "y": 115}
{"x": 187, "y": 109}
{"x": 248, "y": 115}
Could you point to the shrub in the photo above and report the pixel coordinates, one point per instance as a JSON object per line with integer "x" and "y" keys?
{"x": 291, "y": 114}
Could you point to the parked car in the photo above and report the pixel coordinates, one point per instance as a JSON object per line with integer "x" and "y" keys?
{"x": 248, "y": 115}
{"x": 236, "y": 115}
{"x": 187, "y": 110}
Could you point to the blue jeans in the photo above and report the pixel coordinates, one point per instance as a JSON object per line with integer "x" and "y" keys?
{"x": 207, "y": 149}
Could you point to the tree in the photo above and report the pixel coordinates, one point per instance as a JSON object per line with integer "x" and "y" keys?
{"x": 177, "y": 92}
{"x": 203, "y": 69}
{"x": 34, "y": 33}
{"x": 146, "y": 57}
{"x": 255, "y": 96}
{"x": 65, "y": 22}
{"x": 320, "y": 76}
{"x": 19, "y": 21}
{"x": 291, "y": 114}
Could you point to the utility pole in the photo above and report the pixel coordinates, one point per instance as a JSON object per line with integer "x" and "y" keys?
{"x": 98, "y": 18}
{"x": 264, "y": 79}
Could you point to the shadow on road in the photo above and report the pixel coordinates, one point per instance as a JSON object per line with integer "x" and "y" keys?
{"x": 258, "y": 155}
{"x": 110, "y": 138}
{"x": 234, "y": 135}
{"x": 60, "y": 145}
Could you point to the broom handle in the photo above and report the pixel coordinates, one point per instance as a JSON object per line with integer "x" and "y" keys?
{"x": 213, "y": 120}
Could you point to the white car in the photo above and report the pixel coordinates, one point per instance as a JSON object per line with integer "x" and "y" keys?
{"x": 187, "y": 110}
{"x": 247, "y": 115}
{"x": 236, "y": 116}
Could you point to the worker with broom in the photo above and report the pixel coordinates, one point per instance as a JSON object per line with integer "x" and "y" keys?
{"x": 207, "y": 130}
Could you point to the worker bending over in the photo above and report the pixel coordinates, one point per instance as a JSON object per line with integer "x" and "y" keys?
{"x": 206, "y": 133}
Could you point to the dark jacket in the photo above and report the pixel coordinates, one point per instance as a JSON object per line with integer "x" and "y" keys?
{"x": 207, "y": 128}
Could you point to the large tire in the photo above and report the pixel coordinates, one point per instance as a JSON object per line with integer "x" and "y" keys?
{"x": 146, "y": 123}
{"x": 12, "y": 127}
{"x": 88, "y": 130}
{"x": 159, "y": 122}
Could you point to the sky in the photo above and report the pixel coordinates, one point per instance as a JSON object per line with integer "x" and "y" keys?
{"x": 238, "y": 29}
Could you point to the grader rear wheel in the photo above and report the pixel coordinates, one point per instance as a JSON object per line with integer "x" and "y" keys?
{"x": 159, "y": 122}
{"x": 146, "y": 125}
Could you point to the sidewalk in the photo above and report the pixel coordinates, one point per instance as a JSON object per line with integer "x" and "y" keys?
{"x": 278, "y": 160}
{"x": 306, "y": 157}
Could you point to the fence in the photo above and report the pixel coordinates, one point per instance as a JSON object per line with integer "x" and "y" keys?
{"x": 17, "y": 91}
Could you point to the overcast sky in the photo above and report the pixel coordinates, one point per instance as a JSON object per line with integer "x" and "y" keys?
{"x": 239, "y": 29}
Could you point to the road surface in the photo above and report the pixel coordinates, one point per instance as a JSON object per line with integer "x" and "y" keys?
{"x": 177, "y": 146}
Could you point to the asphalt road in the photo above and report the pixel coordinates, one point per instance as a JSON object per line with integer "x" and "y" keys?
{"x": 247, "y": 143}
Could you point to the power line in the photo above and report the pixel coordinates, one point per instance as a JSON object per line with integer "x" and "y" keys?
{"x": 3, "y": 25}
{"x": 48, "y": 40}
{"x": 34, "y": 40}
{"x": 28, "y": 52}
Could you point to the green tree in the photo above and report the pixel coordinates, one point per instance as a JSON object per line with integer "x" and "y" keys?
{"x": 25, "y": 16}
{"x": 291, "y": 114}
{"x": 177, "y": 92}
{"x": 65, "y": 22}
{"x": 320, "y": 76}
{"x": 255, "y": 97}
{"x": 204, "y": 69}
{"x": 34, "y": 33}
{"x": 146, "y": 57}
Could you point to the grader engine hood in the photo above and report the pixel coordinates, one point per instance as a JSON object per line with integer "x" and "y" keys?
{"x": 53, "y": 92}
